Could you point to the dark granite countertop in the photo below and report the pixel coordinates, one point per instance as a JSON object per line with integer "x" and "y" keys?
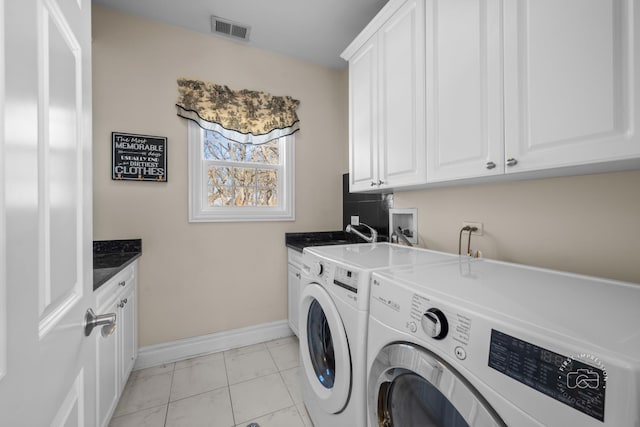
{"x": 299, "y": 241}
{"x": 112, "y": 256}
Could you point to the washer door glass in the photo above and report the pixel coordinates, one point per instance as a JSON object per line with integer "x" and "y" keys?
{"x": 413, "y": 401}
{"x": 324, "y": 350}
{"x": 321, "y": 345}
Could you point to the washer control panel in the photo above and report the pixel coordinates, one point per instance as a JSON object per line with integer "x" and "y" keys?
{"x": 344, "y": 282}
{"x": 346, "y": 279}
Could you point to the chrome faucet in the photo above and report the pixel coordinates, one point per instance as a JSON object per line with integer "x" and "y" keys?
{"x": 403, "y": 237}
{"x": 371, "y": 239}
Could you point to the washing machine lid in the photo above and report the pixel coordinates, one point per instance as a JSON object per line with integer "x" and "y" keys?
{"x": 409, "y": 385}
{"x": 559, "y": 303}
{"x": 324, "y": 349}
{"x": 370, "y": 256}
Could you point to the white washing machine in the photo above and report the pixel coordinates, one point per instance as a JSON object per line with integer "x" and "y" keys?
{"x": 485, "y": 343}
{"x": 334, "y": 312}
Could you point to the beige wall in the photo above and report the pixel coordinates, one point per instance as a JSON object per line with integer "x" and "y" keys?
{"x": 585, "y": 224}
{"x": 199, "y": 279}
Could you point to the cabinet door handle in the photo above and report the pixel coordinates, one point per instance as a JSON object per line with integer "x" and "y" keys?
{"x": 491, "y": 165}
{"x": 122, "y": 283}
{"x": 373, "y": 184}
{"x": 121, "y": 304}
{"x": 124, "y": 300}
{"x": 512, "y": 162}
{"x": 380, "y": 182}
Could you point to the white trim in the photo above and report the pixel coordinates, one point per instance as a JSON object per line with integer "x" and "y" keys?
{"x": 372, "y": 27}
{"x": 199, "y": 212}
{"x": 3, "y": 282}
{"x": 173, "y": 351}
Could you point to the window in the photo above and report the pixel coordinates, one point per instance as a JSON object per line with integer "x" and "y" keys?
{"x": 229, "y": 181}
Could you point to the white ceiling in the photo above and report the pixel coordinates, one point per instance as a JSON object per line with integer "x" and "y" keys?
{"x": 312, "y": 30}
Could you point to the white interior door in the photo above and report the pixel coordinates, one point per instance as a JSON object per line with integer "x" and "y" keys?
{"x": 47, "y": 365}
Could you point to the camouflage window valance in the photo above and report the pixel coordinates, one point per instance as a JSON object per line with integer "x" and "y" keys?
{"x": 244, "y": 116}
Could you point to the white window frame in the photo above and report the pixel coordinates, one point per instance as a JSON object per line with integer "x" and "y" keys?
{"x": 199, "y": 211}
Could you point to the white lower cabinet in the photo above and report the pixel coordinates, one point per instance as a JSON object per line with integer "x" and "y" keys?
{"x": 107, "y": 373}
{"x": 115, "y": 353}
{"x": 128, "y": 334}
{"x": 294, "y": 283}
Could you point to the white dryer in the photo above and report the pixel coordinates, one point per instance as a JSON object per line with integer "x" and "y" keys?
{"x": 334, "y": 311}
{"x": 485, "y": 343}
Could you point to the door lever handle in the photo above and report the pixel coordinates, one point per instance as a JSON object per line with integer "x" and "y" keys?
{"x": 107, "y": 321}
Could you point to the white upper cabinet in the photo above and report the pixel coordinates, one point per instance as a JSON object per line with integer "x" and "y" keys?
{"x": 447, "y": 90}
{"x": 522, "y": 86}
{"x": 464, "y": 89}
{"x": 386, "y": 100}
{"x": 402, "y": 126}
{"x": 571, "y": 82}
{"x": 363, "y": 118}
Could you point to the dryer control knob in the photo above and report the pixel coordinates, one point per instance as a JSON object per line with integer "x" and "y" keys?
{"x": 316, "y": 269}
{"x": 435, "y": 324}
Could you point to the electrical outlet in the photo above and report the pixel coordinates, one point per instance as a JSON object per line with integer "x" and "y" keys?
{"x": 478, "y": 225}
{"x": 355, "y": 220}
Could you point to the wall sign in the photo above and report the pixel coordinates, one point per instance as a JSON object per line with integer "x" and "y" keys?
{"x": 138, "y": 157}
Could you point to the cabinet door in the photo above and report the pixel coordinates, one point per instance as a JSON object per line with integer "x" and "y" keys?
{"x": 107, "y": 370}
{"x": 402, "y": 121}
{"x": 128, "y": 334}
{"x": 571, "y": 82}
{"x": 294, "y": 284}
{"x": 363, "y": 118}
{"x": 464, "y": 89}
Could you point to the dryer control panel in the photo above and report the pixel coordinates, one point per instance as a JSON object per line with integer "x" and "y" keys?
{"x": 423, "y": 317}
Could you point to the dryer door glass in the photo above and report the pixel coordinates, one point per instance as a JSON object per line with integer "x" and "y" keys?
{"x": 411, "y": 386}
{"x": 413, "y": 401}
{"x": 321, "y": 345}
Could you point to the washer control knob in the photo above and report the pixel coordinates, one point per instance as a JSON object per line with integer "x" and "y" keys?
{"x": 317, "y": 269}
{"x": 434, "y": 323}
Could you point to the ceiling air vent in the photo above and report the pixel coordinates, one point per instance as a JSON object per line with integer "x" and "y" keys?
{"x": 230, "y": 29}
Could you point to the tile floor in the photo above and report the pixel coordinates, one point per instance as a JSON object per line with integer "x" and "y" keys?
{"x": 254, "y": 384}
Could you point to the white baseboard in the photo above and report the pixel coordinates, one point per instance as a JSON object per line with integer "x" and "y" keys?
{"x": 173, "y": 351}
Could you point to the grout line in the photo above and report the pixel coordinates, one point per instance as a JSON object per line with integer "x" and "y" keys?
{"x": 287, "y": 388}
{"x": 135, "y": 412}
{"x": 175, "y": 366}
{"x": 228, "y": 386}
{"x": 166, "y": 414}
{"x": 137, "y": 377}
{"x": 226, "y": 372}
{"x": 198, "y": 394}
{"x": 273, "y": 412}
